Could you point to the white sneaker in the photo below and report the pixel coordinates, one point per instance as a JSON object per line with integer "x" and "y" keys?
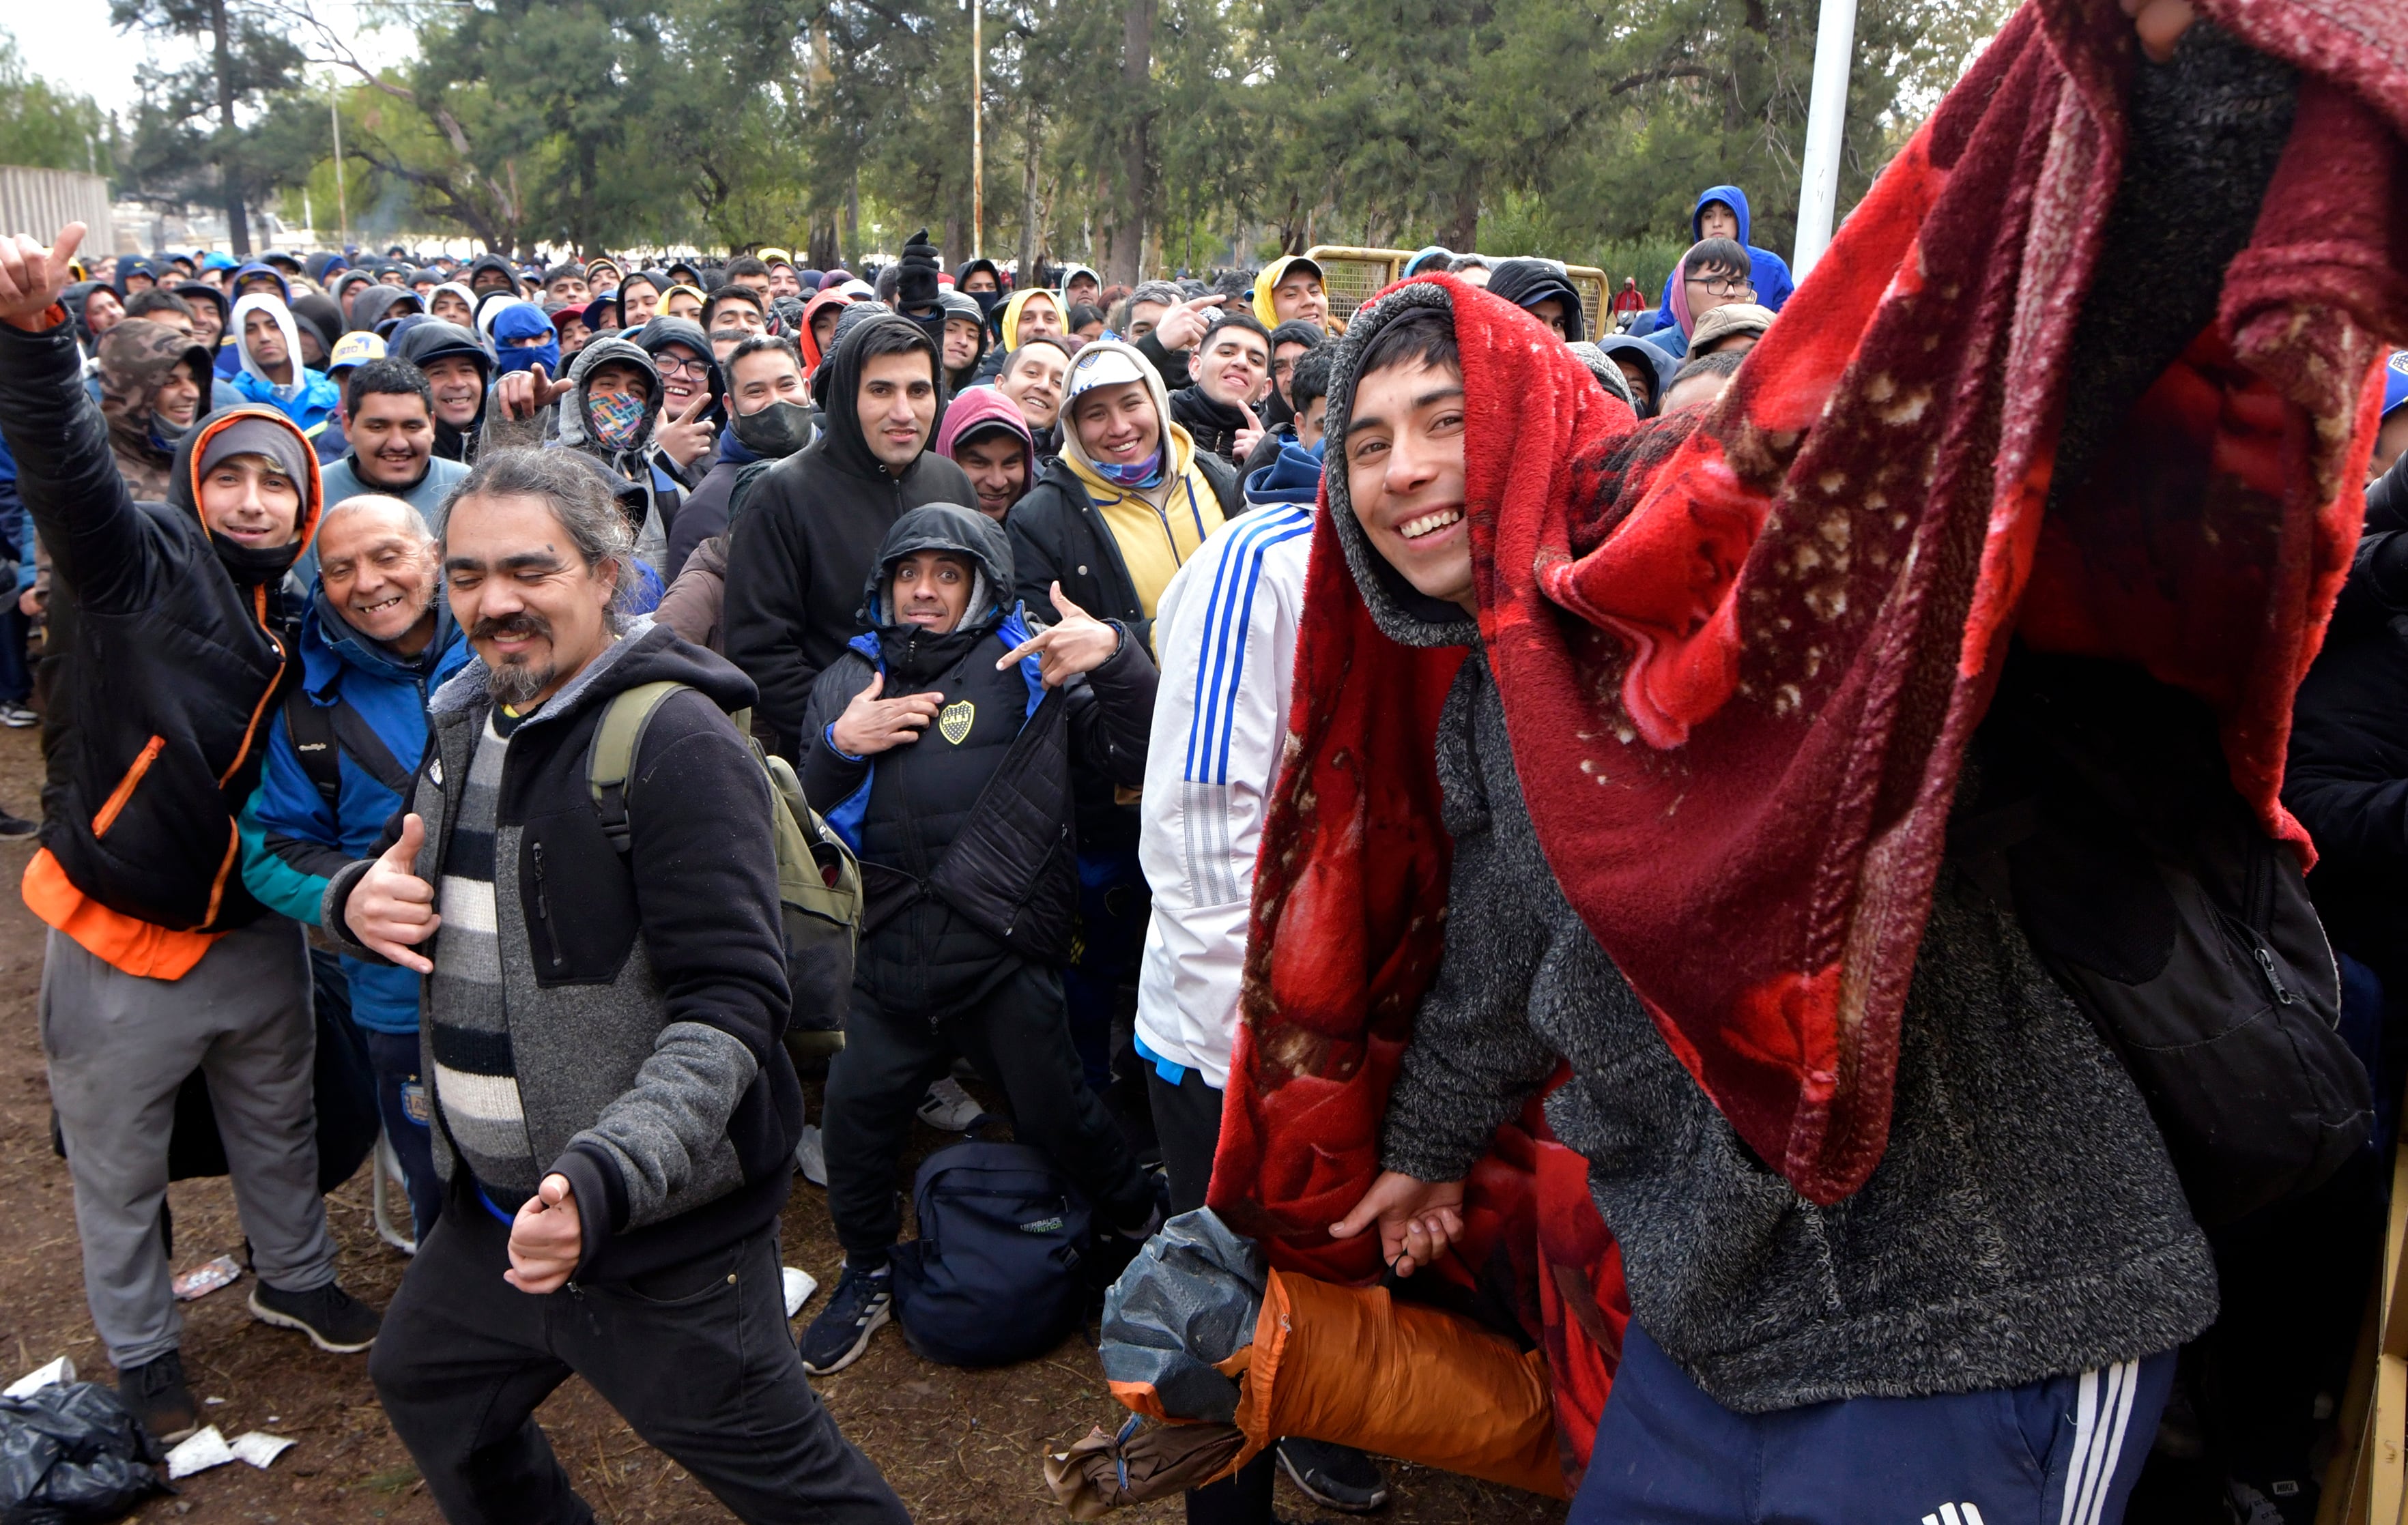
{"x": 810, "y": 1156}
{"x": 949, "y": 1108}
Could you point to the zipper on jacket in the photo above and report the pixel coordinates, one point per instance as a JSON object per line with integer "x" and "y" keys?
{"x": 115, "y": 804}
{"x": 543, "y": 907}
{"x": 2273, "y": 980}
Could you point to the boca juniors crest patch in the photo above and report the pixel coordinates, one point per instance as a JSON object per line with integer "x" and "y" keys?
{"x": 954, "y": 721}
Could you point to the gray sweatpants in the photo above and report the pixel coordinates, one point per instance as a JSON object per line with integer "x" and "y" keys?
{"x": 118, "y": 1046}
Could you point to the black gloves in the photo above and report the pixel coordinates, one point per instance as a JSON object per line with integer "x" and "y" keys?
{"x": 916, "y": 287}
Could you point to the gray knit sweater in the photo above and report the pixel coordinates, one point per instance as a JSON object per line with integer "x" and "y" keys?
{"x": 2024, "y": 1223}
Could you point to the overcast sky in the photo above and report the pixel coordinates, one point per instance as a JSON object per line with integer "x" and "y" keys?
{"x": 70, "y": 42}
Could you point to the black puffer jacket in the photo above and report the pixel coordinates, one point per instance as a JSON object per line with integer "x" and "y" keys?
{"x": 810, "y": 535}
{"x": 158, "y": 717}
{"x": 2348, "y": 775}
{"x": 967, "y": 837}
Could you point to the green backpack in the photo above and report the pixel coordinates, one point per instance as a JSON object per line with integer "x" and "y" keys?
{"x": 819, "y": 882}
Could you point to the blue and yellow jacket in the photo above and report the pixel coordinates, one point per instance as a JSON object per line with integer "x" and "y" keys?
{"x": 293, "y": 840}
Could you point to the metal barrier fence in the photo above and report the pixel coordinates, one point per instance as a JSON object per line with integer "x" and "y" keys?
{"x": 39, "y": 202}
{"x": 1351, "y": 276}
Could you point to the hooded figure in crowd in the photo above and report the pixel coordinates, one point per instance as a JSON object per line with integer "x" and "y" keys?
{"x": 1290, "y": 289}
{"x": 989, "y": 293}
{"x": 1648, "y": 369}
{"x": 1721, "y": 212}
{"x": 817, "y": 330}
{"x": 965, "y": 325}
{"x": 305, "y": 396}
{"x": 172, "y": 623}
{"x": 523, "y": 339}
{"x": 1113, "y": 527}
{"x": 612, "y": 407}
{"x": 379, "y": 305}
{"x": 964, "y": 929}
{"x": 459, "y": 370}
{"x": 153, "y": 383}
{"x": 1541, "y": 289}
{"x": 809, "y": 534}
{"x": 490, "y": 273}
{"x": 985, "y": 436}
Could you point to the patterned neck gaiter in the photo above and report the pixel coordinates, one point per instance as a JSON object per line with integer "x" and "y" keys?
{"x": 1146, "y": 473}
{"x": 617, "y": 420}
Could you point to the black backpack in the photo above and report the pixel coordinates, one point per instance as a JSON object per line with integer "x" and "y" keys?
{"x": 2183, "y": 930}
{"x": 998, "y": 1274}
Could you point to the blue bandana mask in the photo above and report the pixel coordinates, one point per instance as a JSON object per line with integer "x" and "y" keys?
{"x": 617, "y": 420}
{"x": 520, "y": 357}
{"x": 1143, "y": 473}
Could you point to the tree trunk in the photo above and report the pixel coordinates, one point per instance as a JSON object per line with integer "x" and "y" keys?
{"x": 822, "y": 254}
{"x": 1032, "y": 219}
{"x": 1462, "y": 231}
{"x": 1136, "y": 169}
{"x": 853, "y": 220}
{"x": 229, "y": 174}
{"x": 956, "y": 247}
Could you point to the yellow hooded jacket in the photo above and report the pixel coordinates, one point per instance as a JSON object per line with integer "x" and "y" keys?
{"x": 1268, "y": 281}
{"x": 1009, "y": 325}
{"x": 1156, "y": 528}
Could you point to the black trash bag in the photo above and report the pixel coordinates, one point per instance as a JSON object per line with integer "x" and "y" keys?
{"x": 1188, "y": 1302}
{"x": 72, "y": 1453}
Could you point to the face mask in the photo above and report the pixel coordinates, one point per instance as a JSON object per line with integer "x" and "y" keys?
{"x": 617, "y": 420}
{"x": 777, "y": 431}
{"x": 512, "y": 357}
{"x": 1143, "y": 473}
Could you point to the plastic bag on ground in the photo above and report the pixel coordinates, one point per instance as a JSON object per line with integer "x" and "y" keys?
{"x": 1185, "y": 1307}
{"x": 73, "y": 1453}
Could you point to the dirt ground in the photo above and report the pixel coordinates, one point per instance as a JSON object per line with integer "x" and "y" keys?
{"x": 957, "y": 1446}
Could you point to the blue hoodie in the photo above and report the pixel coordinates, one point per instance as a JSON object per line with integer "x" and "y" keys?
{"x": 229, "y": 351}
{"x": 1768, "y": 271}
{"x": 1294, "y": 477}
{"x": 292, "y": 841}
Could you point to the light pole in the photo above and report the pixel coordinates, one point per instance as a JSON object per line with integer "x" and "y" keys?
{"x": 1827, "y": 118}
{"x": 342, "y": 197}
{"x": 978, "y": 134}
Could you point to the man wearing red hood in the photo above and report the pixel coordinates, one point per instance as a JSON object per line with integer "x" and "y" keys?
{"x": 1625, "y": 770}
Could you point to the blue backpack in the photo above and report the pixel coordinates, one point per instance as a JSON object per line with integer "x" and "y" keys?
{"x": 999, "y": 1272}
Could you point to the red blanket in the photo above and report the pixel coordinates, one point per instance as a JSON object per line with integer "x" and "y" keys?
{"x": 1739, "y": 667}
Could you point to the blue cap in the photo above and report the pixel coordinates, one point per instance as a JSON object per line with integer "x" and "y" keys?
{"x": 2395, "y": 382}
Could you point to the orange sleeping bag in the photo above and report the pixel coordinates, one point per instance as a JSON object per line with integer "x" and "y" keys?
{"x": 1353, "y": 1366}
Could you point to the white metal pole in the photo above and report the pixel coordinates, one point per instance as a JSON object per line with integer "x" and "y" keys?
{"x": 342, "y": 196}
{"x": 978, "y": 134}
{"x": 1827, "y": 118}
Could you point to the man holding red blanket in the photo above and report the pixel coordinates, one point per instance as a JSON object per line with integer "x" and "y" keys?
{"x": 1625, "y": 758}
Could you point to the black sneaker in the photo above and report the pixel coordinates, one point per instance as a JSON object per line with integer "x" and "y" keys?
{"x": 334, "y": 1319}
{"x": 862, "y": 1303}
{"x": 1335, "y": 1476}
{"x": 156, "y": 1394}
{"x": 15, "y": 717}
{"x": 17, "y": 828}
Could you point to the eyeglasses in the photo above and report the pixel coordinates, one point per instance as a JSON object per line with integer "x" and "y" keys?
{"x": 1722, "y": 285}
{"x": 668, "y": 366}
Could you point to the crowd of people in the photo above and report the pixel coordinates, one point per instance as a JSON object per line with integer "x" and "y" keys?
{"x": 1052, "y": 601}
